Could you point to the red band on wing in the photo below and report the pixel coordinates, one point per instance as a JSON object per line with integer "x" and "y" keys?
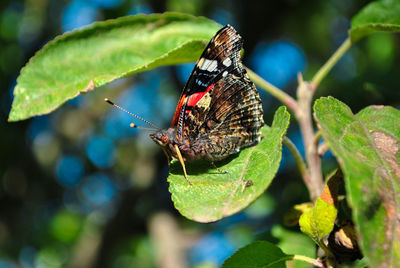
{"x": 178, "y": 110}
{"x": 191, "y": 102}
{"x": 194, "y": 98}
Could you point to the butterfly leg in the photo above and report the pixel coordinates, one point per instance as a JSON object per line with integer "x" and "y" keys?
{"x": 167, "y": 155}
{"x": 180, "y": 158}
{"x": 219, "y": 170}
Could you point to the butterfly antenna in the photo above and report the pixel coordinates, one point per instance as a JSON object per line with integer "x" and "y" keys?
{"x": 134, "y": 115}
{"x": 133, "y": 125}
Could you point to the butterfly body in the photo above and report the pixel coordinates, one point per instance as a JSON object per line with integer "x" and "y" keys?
{"x": 219, "y": 111}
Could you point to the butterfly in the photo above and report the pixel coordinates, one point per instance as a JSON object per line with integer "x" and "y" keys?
{"x": 219, "y": 111}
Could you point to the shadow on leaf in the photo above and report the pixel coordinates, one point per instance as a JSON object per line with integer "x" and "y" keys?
{"x": 201, "y": 166}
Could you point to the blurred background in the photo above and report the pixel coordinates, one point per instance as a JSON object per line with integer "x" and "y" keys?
{"x": 80, "y": 188}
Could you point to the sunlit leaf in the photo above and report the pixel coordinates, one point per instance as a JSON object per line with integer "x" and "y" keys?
{"x": 215, "y": 195}
{"x": 318, "y": 221}
{"x": 377, "y": 16}
{"x": 79, "y": 61}
{"x": 292, "y": 216}
{"x": 258, "y": 254}
{"x": 367, "y": 148}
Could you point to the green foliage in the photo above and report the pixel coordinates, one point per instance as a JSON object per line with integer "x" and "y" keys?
{"x": 50, "y": 257}
{"x": 380, "y": 48}
{"x": 377, "y": 16}
{"x": 295, "y": 243}
{"x": 214, "y": 195}
{"x": 258, "y": 254}
{"x": 366, "y": 146}
{"x": 79, "y": 61}
{"x": 318, "y": 221}
{"x": 66, "y": 226}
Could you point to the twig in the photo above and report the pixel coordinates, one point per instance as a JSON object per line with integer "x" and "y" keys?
{"x": 315, "y": 262}
{"x": 322, "y": 149}
{"x": 298, "y": 158}
{"x": 324, "y": 70}
{"x": 274, "y": 91}
{"x": 330, "y": 257}
{"x": 317, "y": 137}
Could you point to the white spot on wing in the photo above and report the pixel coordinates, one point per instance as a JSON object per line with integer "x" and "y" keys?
{"x": 227, "y": 62}
{"x": 203, "y": 64}
{"x": 213, "y": 65}
{"x": 225, "y": 74}
{"x": 209, "y": 65}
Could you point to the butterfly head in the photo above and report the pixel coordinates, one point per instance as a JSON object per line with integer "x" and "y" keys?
{"x": 163, "y": 137}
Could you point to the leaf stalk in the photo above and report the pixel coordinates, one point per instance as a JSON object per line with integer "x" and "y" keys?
{"x": 324, "y": 70}
{"x": 297, "y": 156}
{"x": 315, "y": 262}
{"x": 273, "y": 90}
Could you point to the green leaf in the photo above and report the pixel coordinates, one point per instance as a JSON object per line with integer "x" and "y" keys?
{"x": 215, "y": 195}
{"x": 295, "y": 243}
{"x": 258, "y": 254}
{"x": 367, "y": 148}
{"x": 318, "y": 221}
{"x": 377, "y": 16}
{"x": 79, "y": 61}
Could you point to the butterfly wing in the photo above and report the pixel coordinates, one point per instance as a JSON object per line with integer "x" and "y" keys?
{"x": 234, "y": 119}
{"x": 221, "y": 110}
{"x": 218, "y": 59}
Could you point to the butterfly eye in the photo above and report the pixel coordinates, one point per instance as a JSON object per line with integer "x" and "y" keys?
{"x": 164, "y": 139}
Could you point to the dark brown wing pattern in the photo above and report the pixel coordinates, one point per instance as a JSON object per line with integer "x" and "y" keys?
{"x": 219, "y": 58}
{"x": 229, "y": 116}
{"x": 219, "y": 111}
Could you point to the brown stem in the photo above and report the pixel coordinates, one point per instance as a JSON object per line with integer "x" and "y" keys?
{"x": 305, "y": 93}
{"x": 330, "y": 257}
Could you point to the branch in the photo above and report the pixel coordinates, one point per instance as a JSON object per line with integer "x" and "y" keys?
{"x": 305, "y": 92}
{"x": 274, "y": 91}
{"x": 312, "y": 174}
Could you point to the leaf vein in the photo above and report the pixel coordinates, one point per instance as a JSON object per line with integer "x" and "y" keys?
{"x": 239, "y": 182}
